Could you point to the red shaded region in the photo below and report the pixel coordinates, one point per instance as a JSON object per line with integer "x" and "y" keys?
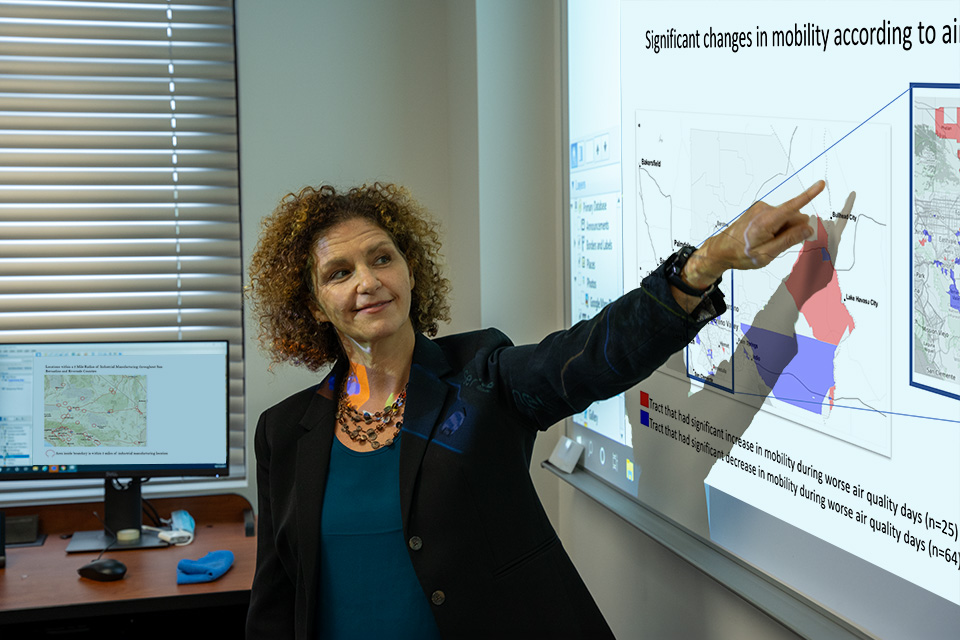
{"x": 812, "y": 270}
{"x": 815, "y": 289}
{"x": 947, "y": 131}
{"x": 827, "y": 315}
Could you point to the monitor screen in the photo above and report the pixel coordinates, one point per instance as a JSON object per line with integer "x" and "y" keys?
{"x": 113, "y": 409}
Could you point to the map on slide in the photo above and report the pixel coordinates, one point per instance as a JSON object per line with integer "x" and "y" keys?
{"x": 95, "y": 410}
{"x": 935, "y": 243}
{"x": 800, "y": 335}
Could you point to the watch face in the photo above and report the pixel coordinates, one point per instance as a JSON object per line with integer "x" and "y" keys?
{"x": 677, "y": 262}
{"x": 679, "y": 259}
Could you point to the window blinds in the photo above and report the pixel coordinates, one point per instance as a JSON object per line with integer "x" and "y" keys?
{"x": 119, "y": 186}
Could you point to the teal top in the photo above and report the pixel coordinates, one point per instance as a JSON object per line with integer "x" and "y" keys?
{"x": 368, "y": 588}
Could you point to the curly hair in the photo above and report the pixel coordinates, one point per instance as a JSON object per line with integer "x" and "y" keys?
{"x": 281, "y": 269}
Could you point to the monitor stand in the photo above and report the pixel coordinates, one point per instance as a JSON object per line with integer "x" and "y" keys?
{"x": 121, "y": 510}
{"x": 87, "y": 541}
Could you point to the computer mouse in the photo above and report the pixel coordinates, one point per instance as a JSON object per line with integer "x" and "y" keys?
{"x": 104, "y": 570}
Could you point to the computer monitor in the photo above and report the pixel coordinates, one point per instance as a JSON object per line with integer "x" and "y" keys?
{"x": 121, "y": 411}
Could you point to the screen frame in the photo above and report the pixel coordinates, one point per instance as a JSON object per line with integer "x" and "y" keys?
{"x": 142, "y": 471}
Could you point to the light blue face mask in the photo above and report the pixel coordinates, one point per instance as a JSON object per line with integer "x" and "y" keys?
{"x": 181, "y": 528}
{"x": 182, "y": 521}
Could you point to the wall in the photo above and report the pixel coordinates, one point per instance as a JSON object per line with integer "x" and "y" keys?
{"x": 458, "y": 100}
{"x": 518, "y": 120}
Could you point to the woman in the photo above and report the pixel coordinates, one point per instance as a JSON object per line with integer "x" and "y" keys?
{"x": 394, "y": 496}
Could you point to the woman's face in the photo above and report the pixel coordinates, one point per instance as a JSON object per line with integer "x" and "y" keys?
{"x": 362, "y": 283}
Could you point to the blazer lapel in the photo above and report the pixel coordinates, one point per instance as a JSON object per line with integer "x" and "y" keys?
{"x": 426, "y": 394}
{"x": 313, "y": 460}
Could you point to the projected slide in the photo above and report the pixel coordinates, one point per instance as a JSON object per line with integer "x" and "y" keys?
{"x": 805, "y": 382}
{"x": 813, "y": 429}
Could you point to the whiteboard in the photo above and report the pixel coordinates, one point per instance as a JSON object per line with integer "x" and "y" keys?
{"x": 812, "y": 432}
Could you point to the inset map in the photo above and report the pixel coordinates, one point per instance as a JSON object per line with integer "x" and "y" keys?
{"x": 935, "y": 242}
{"x": 95, "y": 410}
{"x": 804, "y": 337}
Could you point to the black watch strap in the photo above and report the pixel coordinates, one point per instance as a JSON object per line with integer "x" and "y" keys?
{"x": 675, "y": 264}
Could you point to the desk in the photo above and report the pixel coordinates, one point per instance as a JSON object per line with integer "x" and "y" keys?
{"x": 40, "y": 584}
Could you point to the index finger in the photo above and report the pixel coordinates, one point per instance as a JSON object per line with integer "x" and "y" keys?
{"x": 804, "y": 198}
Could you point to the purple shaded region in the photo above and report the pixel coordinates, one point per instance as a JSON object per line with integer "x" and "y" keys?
{"x": 798, "y": 369}
{"x": 772, "y": 352}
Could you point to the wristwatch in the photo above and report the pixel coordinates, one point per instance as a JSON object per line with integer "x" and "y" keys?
{"x": 675, "y": 265}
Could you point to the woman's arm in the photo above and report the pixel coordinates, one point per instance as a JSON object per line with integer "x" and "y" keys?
{"x": 637, "y": 333}
{"x": 752, "y": 241}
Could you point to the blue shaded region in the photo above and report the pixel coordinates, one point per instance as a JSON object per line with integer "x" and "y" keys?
{"x": 824, "y": 255}
{"x": 797, "y": 368}
{"x": 954, "y": 293}
{"x": 644, "y": 418}
{"x": 954, "y": 297}
{"x": 927, "y": 234}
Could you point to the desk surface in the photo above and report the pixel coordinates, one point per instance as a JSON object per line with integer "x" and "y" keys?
{"x": 41, "y": 583}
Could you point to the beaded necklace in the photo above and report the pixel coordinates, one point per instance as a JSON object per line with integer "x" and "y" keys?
{"x": 367, "y": 427}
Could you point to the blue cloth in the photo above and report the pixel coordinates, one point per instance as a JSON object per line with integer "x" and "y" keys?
{"x": 206, "y": 569}
{"x": 368, "y": 588}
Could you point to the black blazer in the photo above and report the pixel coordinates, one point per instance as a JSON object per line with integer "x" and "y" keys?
{"x": 480, "y": 542}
